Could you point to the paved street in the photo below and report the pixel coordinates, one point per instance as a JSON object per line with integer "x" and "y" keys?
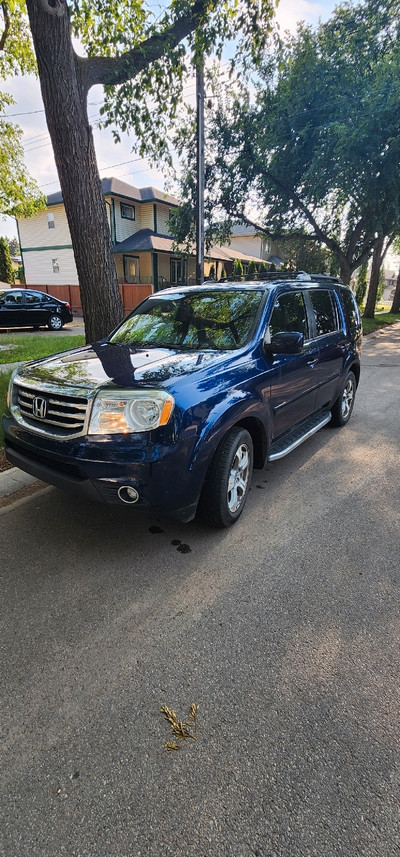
{"x": 284, "y": 630}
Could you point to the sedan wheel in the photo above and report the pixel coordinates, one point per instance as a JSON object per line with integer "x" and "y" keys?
{"x": 55, "y": 322}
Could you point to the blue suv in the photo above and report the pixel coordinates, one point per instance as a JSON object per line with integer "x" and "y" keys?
{"x": 198, "y": 385}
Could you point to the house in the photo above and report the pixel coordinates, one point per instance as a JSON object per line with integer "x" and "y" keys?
{"x": 143, "y": 246}
{"x": 246, "y": 240}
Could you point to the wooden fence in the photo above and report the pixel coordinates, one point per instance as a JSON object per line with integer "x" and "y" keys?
{"x": 131, "y": 294}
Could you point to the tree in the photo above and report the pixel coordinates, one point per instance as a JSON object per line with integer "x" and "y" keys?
{"x": 237, "y": 269}
{"x": 316, "y": 151}
{"x": 141, "y": 66}
{"x": 13, "y": 246}
{"x": 6, "y": 265}
{"x": 361, "y": 287}
{"x": 396, "y": 297}
{"x": 19, "y": 193}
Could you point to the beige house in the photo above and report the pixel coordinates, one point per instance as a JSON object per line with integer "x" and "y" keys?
{"x": 143, "y": 246}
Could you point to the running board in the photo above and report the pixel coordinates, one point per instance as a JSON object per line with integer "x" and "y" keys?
{"x": 298, "y": 435}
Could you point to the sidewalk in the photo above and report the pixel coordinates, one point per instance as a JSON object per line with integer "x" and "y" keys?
{"x": 14, "y": 481}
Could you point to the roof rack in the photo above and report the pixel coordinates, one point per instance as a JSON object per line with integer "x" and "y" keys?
{"x": 282, "y": 275}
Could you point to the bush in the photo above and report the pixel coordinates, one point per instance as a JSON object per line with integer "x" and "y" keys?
{"x": 361, "y": 287}
{"x": 237, "y": 268}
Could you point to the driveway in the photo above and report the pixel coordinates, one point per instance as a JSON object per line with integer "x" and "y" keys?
{"x": 283, "y": 629}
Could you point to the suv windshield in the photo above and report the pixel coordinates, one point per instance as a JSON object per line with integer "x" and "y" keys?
{"x": 221, "y": 320}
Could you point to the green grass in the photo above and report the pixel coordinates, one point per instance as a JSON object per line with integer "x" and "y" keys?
{"x": 381, "y": 320}
{"x": 32, "y": 347}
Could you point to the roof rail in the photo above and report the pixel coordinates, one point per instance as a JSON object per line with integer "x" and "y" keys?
{"x": 281, "y": 275}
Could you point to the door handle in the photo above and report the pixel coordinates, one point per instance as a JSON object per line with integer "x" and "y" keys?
{"x": 312, "y": 363}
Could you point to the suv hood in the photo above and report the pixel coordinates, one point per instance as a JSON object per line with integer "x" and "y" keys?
{"x": 104, "y": 363}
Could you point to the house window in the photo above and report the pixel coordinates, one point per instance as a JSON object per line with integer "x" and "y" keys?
{"x": 56, "y": 267}
{"x": 131, "y": 269}
{"x": 50, "y": 221}
{"x": 127, "y": 211}
{"x": 178, "y": 271}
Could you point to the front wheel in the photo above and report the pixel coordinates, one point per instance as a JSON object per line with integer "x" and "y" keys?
{"x": 228, "y": 480}
{"x": 342, "y": 408}
{"x": 55, "y": 322}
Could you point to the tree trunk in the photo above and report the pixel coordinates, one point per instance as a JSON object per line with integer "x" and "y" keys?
{"x": 345, "y": 270}
{"x": 377, "y": 258}
{"x": 64, "y": 100}
{"x": 396, "y": 299}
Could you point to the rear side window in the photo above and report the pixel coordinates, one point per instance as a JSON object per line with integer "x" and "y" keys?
{"x": 351, "y": 309}
{"x": 325, "y": 313}
{"x": 289, "y": 313}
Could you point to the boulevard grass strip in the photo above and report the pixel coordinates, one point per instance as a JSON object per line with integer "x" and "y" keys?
{"x": 14, "y": 349}
{"x": 380, "y": 320}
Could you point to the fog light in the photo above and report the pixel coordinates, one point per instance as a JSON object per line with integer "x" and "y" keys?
{"x": 128, "y": 494}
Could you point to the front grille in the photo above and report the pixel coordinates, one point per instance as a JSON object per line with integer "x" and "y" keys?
{"x": 58, "y": 414}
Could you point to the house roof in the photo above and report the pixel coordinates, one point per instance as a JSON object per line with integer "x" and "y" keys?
{"x": 146, "y": 240}
{"x": 115, "y": 187}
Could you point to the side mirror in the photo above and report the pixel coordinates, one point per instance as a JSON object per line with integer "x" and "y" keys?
{"x": 287, "y": 342}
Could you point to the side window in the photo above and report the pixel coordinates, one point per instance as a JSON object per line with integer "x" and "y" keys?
{"x": 13, "y": 298}
{"x": 289, "y": 313}
{"x": 31, "y": 298}
{"x": 326, "y": 319}
{"x": 351, "y": 309}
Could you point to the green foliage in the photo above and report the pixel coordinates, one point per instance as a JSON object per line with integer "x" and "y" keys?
{"x": 381, "y": 284}
{"x": 124, "y": 31}
{"x": 14, "y": 247}
{"x": 251, "y": 268}
{"x": 6, "y": 265}
{"x": 223, "y": 273}
{"x": 302, "y": 254}
{"x": 237, "y": 269}
{"x": 317, "y": 148}
{"x": 19, "y": 193}
{"x": 361, "y": 288}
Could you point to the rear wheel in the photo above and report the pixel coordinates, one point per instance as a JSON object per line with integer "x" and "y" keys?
{"x": 341, "y": 410}
{"x": 228, "y": 481}
{"x": 55, "y": 322}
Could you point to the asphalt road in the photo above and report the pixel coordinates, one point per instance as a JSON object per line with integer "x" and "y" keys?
{"x": 283, "y": 629}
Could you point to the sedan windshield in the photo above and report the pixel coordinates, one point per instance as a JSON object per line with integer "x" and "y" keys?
{"x": 219, "y": 320}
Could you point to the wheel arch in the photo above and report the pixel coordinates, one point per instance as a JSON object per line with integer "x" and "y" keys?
{"x": 258, "y": 434}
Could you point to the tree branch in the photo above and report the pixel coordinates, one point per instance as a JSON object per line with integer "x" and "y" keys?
{"x": 115, "y": 70}
{"x": 6, "y": 26}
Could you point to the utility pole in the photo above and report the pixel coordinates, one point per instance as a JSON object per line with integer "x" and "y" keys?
{"x": 200, "y": 173}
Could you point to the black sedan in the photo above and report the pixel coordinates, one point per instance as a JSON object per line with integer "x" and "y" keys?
{"x": 28, "y": 308}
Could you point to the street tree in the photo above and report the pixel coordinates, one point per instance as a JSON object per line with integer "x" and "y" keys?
{"x": 19, "y": 193}
{"x": 140, "y": 63}
{"x": 6, "y": 265}
{"x": 313, "y": 148}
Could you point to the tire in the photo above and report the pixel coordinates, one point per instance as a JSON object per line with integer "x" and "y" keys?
{"x": 55, "y": 322}
{"x": 228, "y": 480}
{"x": 342, "y": 409}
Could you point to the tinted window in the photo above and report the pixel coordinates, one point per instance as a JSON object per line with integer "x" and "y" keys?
{"x": 325, "y": 312}
{"x": 351, "y": 308}
{"x": 32, "y": 298}
{"x": 289, "y": 313}
{"x": 13, "y": 298}
{"x": 218, "y": 320}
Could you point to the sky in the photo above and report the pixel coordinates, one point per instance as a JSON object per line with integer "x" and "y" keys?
{"x": 113, "y": 159}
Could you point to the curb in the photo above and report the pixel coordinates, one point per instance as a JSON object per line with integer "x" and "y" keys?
{"x": 13, "y": 480}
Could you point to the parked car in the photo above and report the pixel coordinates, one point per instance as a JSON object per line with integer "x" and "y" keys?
{"x": 197, "y": 386}
{"x": 28, "y": 308}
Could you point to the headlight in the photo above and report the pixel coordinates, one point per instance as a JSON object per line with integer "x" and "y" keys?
{"x": 116, "y": 412}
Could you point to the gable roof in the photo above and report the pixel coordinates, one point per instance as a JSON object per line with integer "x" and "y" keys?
{"x": 115, "y": 187}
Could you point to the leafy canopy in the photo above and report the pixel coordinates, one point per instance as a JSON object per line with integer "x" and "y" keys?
{"x": 19, "y": 193}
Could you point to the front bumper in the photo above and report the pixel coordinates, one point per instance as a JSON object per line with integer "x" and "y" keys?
{"x": 159, "y": 472}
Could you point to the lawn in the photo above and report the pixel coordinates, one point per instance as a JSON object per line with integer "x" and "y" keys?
{"x": 21, "y": 348}
{"x": 380, "y": 320}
